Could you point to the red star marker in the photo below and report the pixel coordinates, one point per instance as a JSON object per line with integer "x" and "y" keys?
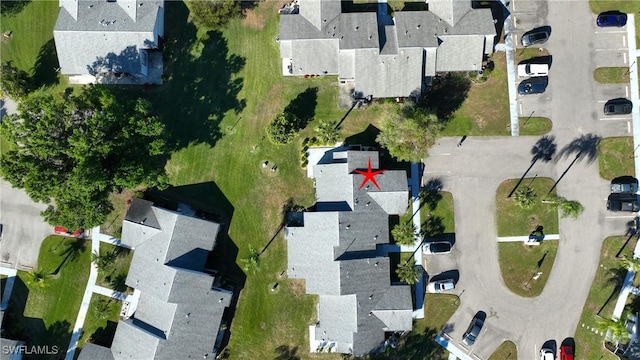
{"x": 369, "y": 175}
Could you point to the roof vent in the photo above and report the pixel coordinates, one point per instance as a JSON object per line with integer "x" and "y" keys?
{"x": 356, "y": 28}
{"x": 220, "y": 300}
{"x": 139, "y": 5}
{"x": 348, "y": 226}
{"x": 418, "y": 27}
{"x": 376, "y": 264}
{"x": 187, "y": 315}
{"x": 370, "y": 296}
{"x": 90, "y": 6}
{"x": 370, "y": 313}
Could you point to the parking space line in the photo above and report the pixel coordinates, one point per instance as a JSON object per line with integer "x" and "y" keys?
{"x": 520, "y": 108}
{"x": 611, "y": 32}
{"x": 626, "y": 91}
{"x": 613, "y": 119}
{"x": 613, "y": 49}
{"x": 602, "y": 101}
{"x": 620, "y": 217}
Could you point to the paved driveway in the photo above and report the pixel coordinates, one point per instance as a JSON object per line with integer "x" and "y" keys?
{"x": 23, "y": 228}
{"x": 474, "y": 171}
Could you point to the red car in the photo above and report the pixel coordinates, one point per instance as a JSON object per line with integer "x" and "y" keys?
{"x": 63, "y": 231}
{"x": 566, "y": 352}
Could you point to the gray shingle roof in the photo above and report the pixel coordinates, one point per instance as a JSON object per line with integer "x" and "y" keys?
{"x": 95, "y": 352}
{"x": 389, "y": 58}
{"x": 99, "y": 36}
{"x": 357, "y": 303}
{"x": 448, "y": 56}
{"x": 179, "y": 312}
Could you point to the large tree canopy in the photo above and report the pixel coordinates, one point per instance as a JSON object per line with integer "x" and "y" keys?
{"x": 213, "y": 14}
{"x": 409, "y": 135}
{"x": 75, "y": 151}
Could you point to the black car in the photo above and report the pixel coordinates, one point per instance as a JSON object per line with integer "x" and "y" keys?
{"x": 475, "y": 326}
{"x": 618, "y": 106}
{"x": 534, "y": 85}
{"x": 536, "y": 36}
{"x": 624, "y": 185}
{"x": 623, "y": 202}
{"x": 611, "y": 19}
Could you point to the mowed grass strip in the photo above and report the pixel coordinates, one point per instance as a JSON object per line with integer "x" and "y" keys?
{"x": 611, "y": 75}
{"x": 486, "y": 109}
{"x": 602, "y": 297}
{"x": 506, "y": 350}
{"x": 115, "y": 275}
{"x": 519, "y": 263}
{"x": 101, "y": 321}
{"x": 443, "y": 211}
{"x": 44, "y": 315}
{"x": 515, "y": 221}
{"x": 534, "y": 125}
{"x": 615, "y": 157}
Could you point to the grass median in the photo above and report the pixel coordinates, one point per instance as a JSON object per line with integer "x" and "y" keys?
{"x": 521, "y": 263}
{"x": 615, "y": 157}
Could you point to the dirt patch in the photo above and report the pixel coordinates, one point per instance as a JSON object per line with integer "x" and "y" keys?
{"x": 297, "y": 287}
{"x": 255, "y": 18}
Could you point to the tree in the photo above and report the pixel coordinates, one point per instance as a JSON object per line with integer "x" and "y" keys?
{"x": 38, "y": 278}
{"x": 78, "y": 149}
{"x": 283, "y": 128}
{"x": 409, "y": 135}
{"x": 213, "y": 14}
{"x": 525, "y": 197}
{"x": 103, "y": 262}
{"x": 404, "y": 233}
{"x": 326, "y": 132}
{"x": 251, "y": 262}
{"x": 630, "y": 263}
{"x": 616, "y": 329}
{"x": 14, "y": 82}
{"x": 571, "y": 208}
{"x": 408, "y": 272}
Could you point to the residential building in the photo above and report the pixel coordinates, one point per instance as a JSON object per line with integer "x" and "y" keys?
{"x": 335, "y": 249}
{"x": 380, "y": 54}
{"x": 180, "y": 312}
{"x": 110, "y": 41}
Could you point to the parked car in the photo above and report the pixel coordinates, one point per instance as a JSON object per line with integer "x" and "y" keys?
{"x": 624, "y": 185}
{"x": 473, "y": 331}
{"x": 618, "y": 106}
{"x": 547, "y": 354}
{"x": 63, "y": 231}
{"x": 623, "y": 202}
{"x": 534, "y": 85}
{"x": 536, "y": 36}
{"x": 566, "y": 352}
{"x": 611, "y": 19}
{"x": 525, "y": 70}
{"x": 441, "y": 285}
{"x": 436, "y": 247}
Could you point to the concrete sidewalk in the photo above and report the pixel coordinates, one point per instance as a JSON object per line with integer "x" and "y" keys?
{"x": 525, "y": 238}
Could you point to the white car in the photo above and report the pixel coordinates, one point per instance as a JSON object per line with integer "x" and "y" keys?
{"x": 533, "y": 70}
{"x": 547, "y": 354}
{"x": 441, "y": 285}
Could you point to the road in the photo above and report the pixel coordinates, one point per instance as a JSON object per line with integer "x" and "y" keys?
{"x": 474, "y": 171}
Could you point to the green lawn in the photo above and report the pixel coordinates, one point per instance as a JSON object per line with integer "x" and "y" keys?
{"x": 31, "y": 47}
{"x": 528, "y": 53}
{"x": 45, "y": 315}
{"x": 626, "y": 6}
{"x": 602, "y": 297}
{"x": 101, "y": 321}
{"x": 611, "y": 75}
{"x": 519, "y": 262}
{"x": 114, "y": 276}
{"x": 513, "y": 220}
{"x": 534, "y": 125}
{"x": 507, "y": 350}
{"x": 486, "y": 109}
{"x": 615, "y": 157}
{"x": 439, "y": 208}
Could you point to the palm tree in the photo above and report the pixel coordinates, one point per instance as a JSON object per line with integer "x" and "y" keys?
{"x": 326, "y": 132}
{"x": 72, "y": 251}
{"x": 571, "y": 208}
{"x": 251, "y": 262}
{"x": 38, "y": 278}
{"x": 525, "y": 197}
{"x": 103, "y": 262}
{"x": 404, "y": 233}
{"x": 630, "y": 263}
{"x": 616, "y": 329}
{"x": 408, "y": 272}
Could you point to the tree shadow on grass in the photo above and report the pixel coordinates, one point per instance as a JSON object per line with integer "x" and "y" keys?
{"x": 430, "y": 194}
{"x": 33, "y": 330}
{"x": 303, "y": 107}
{"x": 285, "y": 352}
{"x": 72, "y": 250}
{"x": 445, "y": 95}
{"x": 12, "y": 7}
{"x": 200, "y": 89}
{"x": 104, "y": 335}
{"x": 45, "y": 68}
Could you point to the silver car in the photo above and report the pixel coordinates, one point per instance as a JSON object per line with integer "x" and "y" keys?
{"x": 441, "y": 285}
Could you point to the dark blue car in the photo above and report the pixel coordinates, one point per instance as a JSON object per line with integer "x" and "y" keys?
{"x": 611, "y": 19}
{"x": 534, "y": 85}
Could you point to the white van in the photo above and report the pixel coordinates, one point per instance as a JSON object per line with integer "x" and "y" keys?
{"x": 526, "y": 70}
